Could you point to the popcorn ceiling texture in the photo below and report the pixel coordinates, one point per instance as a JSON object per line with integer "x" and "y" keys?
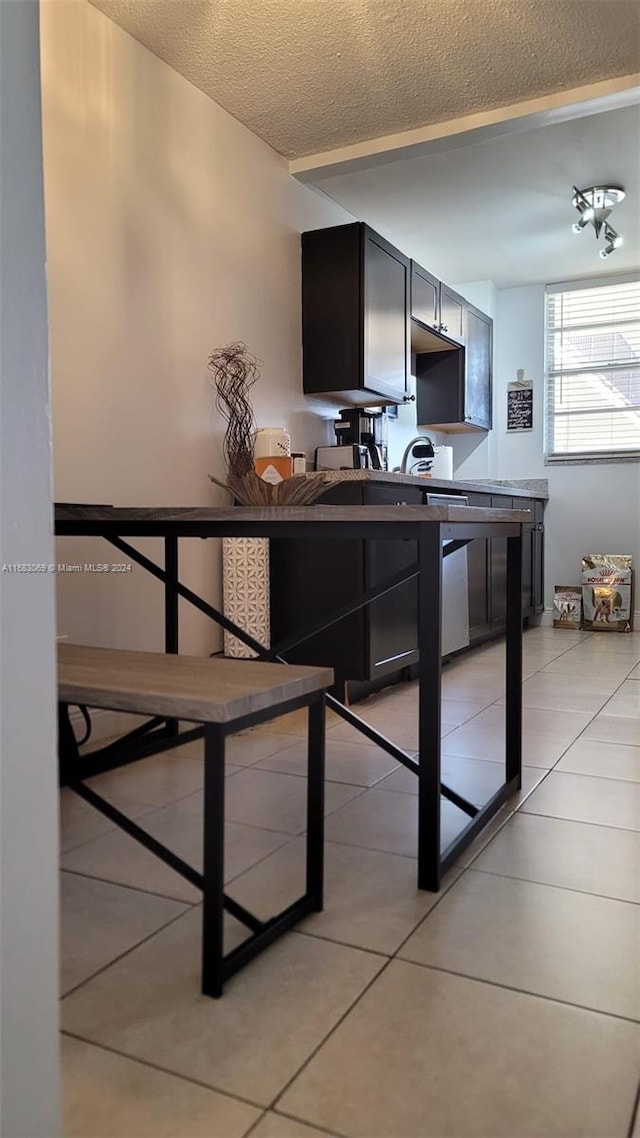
{"x": 312, "y": 75}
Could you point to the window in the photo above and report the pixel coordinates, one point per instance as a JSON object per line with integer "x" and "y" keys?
{"x": 592, "y": 371}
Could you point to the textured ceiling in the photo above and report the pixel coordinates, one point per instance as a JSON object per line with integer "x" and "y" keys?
{"x": 312, "y": 75}
{"x": 501, "y": 210}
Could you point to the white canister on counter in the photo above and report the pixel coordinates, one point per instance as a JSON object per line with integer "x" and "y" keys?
{"x": 272, "y": 454}
{"x": 271, "y": 441}
{"x": 442, "y": 465}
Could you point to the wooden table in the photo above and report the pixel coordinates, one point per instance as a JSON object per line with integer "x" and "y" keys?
{"x": 428, "y": 526}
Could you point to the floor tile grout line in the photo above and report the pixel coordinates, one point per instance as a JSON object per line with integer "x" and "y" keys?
{"x": 587, "y": 822}
{"x": 124, "y": 885}
{"x": 345, "y": 943}
{"x": 521, "y": 991}
{"x": 635, "y": 1113}
{"x": 304, "y": 1122}
{"x": 163, "y": 1070}
{"x": 554, "y": 885}
{"x": 331, "y": 1032}
{"x": 442, "y": 893}
{"x": 127, "y": 952}
{"x": 291, "y": 838}
{"x": 592, "y": 774}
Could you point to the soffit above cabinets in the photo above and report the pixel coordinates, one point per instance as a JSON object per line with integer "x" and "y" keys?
{"x": 311, "y": 75}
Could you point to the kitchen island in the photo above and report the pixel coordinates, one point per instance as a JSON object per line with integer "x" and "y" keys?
{"x": 379, "y": 646}
{"x": 422, "y": 529}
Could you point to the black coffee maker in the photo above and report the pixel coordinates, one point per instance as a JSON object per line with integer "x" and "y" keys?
{"x": 363, "y": 427}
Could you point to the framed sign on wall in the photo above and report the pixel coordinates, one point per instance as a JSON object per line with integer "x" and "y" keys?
{"x": 520, "y": 403}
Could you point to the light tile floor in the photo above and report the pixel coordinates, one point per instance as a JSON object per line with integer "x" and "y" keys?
{"x": 506, "y": 1006}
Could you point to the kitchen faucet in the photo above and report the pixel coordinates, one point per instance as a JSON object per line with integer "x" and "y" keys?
{"x": 427, "y": 450}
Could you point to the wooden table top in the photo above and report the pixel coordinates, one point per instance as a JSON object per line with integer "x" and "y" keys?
{"x": 289, "y": 515}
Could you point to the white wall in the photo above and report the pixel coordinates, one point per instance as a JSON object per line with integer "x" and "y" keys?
{"x": 592, "y": 508}
{"x": 171, "y": 230}
{"x": 28, "y": 798}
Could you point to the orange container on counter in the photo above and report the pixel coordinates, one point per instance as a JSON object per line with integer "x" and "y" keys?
{"x": 274, "y": 467}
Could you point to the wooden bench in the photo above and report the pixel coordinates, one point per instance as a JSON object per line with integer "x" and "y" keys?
{"x": 224, "y": 696}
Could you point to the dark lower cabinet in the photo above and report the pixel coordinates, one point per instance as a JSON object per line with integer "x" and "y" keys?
{"x": 532, "y": 558}
{"x": 487, "y": 561}
{"x": 479, "y": 581}
{"x": 498, "y": 566}
{"x": 309, "y": 580}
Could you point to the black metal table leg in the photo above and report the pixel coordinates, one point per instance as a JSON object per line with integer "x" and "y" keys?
{"x": 315, "y": 804}
{"x": 213, "y": 884}
{"x": 513, "y": 712}
{"x": 171, "y": 608}
{"x": 430, "y": 648}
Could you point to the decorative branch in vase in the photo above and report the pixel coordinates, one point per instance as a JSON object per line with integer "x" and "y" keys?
{"x": 235, "y": 370}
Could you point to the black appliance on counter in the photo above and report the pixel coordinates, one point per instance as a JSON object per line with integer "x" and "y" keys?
{"x": 359, "y": 442}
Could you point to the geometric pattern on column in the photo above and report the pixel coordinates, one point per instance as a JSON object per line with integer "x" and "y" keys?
{"x": 245, "y": 591}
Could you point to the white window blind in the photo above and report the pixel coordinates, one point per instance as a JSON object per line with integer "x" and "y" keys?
{"x": 592, "y": 371}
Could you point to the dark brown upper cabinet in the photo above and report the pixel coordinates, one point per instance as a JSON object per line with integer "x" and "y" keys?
{"x": 425, "y": 297}
{"x": 453, "y": 310}
{"x": 355, "y": 315}
{"x": 437, "y": 313}
{"x": 454, "y": 388}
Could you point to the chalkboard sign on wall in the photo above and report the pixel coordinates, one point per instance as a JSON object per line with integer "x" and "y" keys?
{"x": 520, "y": 404}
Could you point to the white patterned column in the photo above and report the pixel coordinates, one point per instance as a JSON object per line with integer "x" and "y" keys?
{"x": 245, "y": 591}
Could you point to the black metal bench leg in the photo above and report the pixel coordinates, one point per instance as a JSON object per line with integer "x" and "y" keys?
{"x": 213, "y": 890}
{"x": 315, "y": 804}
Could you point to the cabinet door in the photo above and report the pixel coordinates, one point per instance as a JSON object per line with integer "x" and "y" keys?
{"x": 425, "y": 296}
{"x": 479, "y": 582}
{"x": 478, "y": 369}
{"x": 392, "y": 621}
{"x": 452, "y": 314}
{"x": 311, "y": 579}
{"x": 538, "y": 558}
{"x": 528, "y": 531}
{"x": 386, "y": 317}
{"x": 498, "y": 568}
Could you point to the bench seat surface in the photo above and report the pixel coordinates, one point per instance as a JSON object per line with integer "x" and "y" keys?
{"x": 205, "y": 690}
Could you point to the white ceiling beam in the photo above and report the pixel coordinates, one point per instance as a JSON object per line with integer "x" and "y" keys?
{"x": 595, "y": 98}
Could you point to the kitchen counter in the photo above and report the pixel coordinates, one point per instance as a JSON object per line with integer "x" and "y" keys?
{"x": 518, "y": 488}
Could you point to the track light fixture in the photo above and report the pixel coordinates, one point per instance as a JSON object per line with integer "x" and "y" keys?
{"x": 594, "y": 206}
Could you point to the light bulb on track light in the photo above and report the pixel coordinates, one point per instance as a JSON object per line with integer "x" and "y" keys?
{"x": 594, "y": 206}
{"x": 614, "y": 241}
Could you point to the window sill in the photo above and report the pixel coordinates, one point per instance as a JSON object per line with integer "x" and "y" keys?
{"x": 589, "y": 459}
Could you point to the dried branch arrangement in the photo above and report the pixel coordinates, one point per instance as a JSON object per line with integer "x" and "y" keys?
{"x": 235, "y": 370}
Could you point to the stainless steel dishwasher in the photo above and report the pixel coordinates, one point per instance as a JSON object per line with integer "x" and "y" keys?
{"x": 455, "y": 585}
